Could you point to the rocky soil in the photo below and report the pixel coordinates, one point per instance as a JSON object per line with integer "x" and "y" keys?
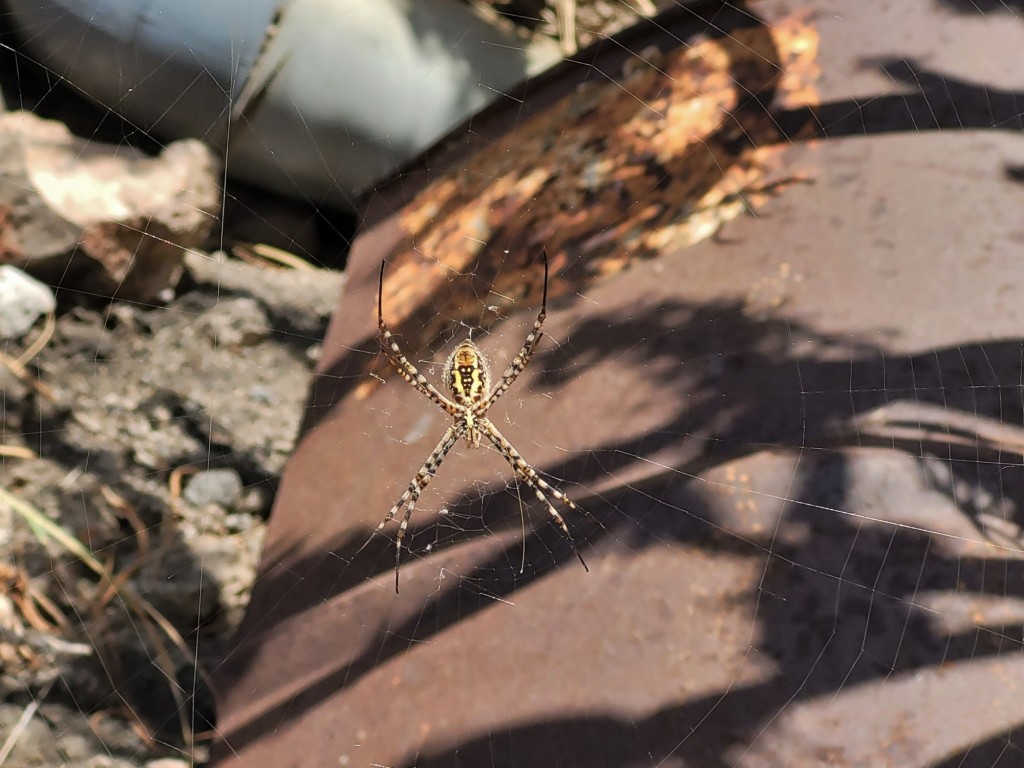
{"x": 153, "y": 435}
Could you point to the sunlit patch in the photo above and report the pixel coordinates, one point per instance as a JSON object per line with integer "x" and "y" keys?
{"x": 626, "y": 168}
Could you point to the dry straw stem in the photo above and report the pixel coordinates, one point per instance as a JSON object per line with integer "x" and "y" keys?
{"x": 264, "y": 255}
{"x": 17, "y": 364}
{"x": 23, "y": 721}
{"x": 151, "y": 619}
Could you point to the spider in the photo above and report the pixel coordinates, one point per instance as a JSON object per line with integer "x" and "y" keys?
{"x": 467, "y": 376}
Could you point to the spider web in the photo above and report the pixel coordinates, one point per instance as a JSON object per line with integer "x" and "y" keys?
{"x": 782, "y": 375}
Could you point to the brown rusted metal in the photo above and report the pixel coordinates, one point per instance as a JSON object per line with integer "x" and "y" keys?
{"x": 787, "y": 573}
{"x": 680, "y": 127}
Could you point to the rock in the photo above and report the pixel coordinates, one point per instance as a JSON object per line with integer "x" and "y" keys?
{"x": 235, "y": 323}
{"x": 216, "y": 486}
{"x": 238, "y": 522}
{"x": 106, "y": 219}
{"x": 77, "y": 747}
{"x": 204, "y": 378}
{"x": 59, "y": 736}
{"x": 299, "y": 300}
{"x": 23, "y": 300}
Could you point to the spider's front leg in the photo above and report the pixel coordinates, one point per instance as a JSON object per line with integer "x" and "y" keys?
{"x": 401, "y": 363}
{"x": 522, "y": 358}
{"x": 412, "y": 493}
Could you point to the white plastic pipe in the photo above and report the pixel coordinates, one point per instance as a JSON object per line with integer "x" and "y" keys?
{"x": 315, "y": 98}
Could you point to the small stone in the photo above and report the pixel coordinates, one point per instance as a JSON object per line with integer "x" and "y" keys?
{"x": 236, "y": 323}
{"x": 23, "y": 300}
{"x": 215, "y": 486}
{"x": 167, "y": 762}
{"x": 261, "y": 394}
{"x": 240, "y": 522}
{"x": 106, "y": 761}
{"x": 75, "y": 746}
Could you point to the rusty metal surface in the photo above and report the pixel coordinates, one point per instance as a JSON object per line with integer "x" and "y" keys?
{"x": 680, "y": 126}
{"x": 776, "y": 427}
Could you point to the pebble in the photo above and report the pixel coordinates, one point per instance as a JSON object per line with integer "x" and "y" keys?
{"x": 23, "y": 300}
{"x": 214, "y": 486}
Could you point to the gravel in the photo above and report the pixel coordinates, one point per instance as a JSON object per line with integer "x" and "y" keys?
{"x": 155, "y": 437}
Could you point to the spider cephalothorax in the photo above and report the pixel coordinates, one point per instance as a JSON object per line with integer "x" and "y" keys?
{"x": 467, "y": 377}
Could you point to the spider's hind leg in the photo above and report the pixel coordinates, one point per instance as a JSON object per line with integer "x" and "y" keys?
{"x": 555, "y": 515}
{"x": 412, "y": 494}
{"x": 540, "y": 486}
{"x": 401, "y": 532}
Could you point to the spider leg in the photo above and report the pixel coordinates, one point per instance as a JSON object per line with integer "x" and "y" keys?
{"x": 401, "y": 363}
{"x": 529, "y": 476}
{"x": 520, "y": 361}
{"x": 412, "y": 493}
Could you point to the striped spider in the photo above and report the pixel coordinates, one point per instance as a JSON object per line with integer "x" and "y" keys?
{"x": 467, "y": 377}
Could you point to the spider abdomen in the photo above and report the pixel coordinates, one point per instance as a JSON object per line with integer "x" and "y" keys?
{"x": 467, "y": 374}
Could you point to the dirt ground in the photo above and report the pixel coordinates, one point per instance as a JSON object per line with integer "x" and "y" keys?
{"x": 155, "y": 435}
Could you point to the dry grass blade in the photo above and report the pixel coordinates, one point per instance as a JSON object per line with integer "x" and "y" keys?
{"x": 17, "y": 364}
{"x": 37, "y": 346}
{"x": 30, "y": 601}
{"x": 261, "y": 253}
{"x": 43, "y": 528}
{"x": 17, "y": 452}
{"x": 19, "y": 728}
{"x": 166, "y": 663}
{"x": 127, "y": 511}
{"x": 174, "y": 485}
{"x": 151, "y": 619}
{"x": 566, "y": 14}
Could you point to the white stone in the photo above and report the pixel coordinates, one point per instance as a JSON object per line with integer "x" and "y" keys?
{"x": 23, "y": 300}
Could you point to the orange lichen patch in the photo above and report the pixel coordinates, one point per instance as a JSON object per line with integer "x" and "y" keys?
{"x": 798, "y": 42}
{"x": 614, "y": 170}
{"x": 587, "y": 161}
